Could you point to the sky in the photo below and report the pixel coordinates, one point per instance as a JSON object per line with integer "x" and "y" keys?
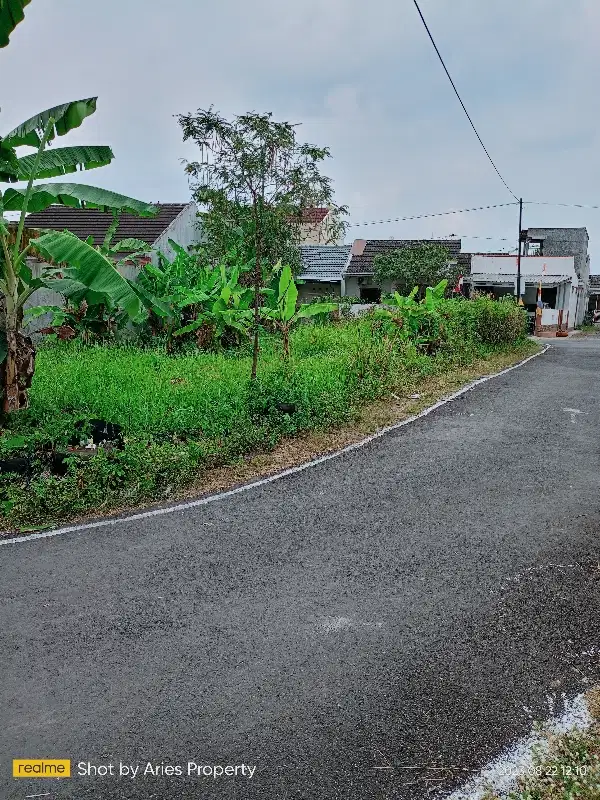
{"x": 362, "y": 79}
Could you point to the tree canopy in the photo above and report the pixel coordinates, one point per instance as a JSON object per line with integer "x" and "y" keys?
{"x": 421, "y": 265}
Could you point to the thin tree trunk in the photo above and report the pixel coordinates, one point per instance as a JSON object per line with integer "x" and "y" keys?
{"x": 11, "y": 365}
{"x": 257, "y": 287}
{"x": 286, "y": 342}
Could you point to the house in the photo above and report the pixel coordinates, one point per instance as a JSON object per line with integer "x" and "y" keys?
{"x": 318, "y": 226}
{"x": 561, "y": 288}
{"x": 555, "y": 257}
{"x": 176, "y": 221}
{"x": 321, "y": 270}
{"x": 594, "y": 293}
{"x": 357, "y": 279}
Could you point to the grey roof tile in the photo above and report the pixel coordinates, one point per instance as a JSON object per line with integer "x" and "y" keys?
{"x": 323, "y": 262}
{"x": 362, "y": 263}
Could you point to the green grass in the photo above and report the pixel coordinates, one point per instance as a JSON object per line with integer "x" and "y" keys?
{"x": 184, "y": 414}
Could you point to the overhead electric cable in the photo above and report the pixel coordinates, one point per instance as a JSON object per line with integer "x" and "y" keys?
{"x": 460, "y": 100}
{"x": 426, "y": 216}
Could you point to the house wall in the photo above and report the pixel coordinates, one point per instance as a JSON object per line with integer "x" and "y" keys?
{"x": 352, "y": 285}
{"x": 530, "y": 265}
{"x": 319, "y": 232}
{"x": 185, "y": 230}
{"x": 566, "y": 242}
{"x": 310, "y": 289}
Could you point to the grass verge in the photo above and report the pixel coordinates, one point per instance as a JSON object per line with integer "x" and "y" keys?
{"x": 190, "y": 428}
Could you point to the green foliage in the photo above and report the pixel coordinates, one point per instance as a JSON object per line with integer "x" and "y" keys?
{"x": 253, "y": 180}
{"x": 282, "y": 310}
{"x": 185, "y": 413}
{"x": 187, "y": 297}
{"x": 423, "y": 265}
{"x": 11, "y": 13}
{"x": 93, "y": 269}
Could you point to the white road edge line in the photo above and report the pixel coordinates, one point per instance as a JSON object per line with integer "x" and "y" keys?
{"x": 270, "y": 478}
{"x": 500, "y": 775}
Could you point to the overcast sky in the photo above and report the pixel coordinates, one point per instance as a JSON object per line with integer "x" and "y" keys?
{"x": 362, "y": 78}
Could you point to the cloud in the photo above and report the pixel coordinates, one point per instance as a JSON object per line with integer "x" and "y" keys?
{"x": 363, "y": 80}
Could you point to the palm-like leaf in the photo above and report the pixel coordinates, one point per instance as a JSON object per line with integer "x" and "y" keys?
{"x": 94, "y": 270}
{"x": 76, "y": 195}
{"x": 66, "y": 117}
{"x": 130, "y": 246}
{"x": 61, "y": 161}
{"x": 11, "y": 13}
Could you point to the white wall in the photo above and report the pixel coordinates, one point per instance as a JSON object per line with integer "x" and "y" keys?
{"x": 530, "y": 265}
{"x": 185, "y": 230}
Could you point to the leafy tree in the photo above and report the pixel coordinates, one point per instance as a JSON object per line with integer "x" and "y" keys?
{"x": 93, "y": 268}
{"x": 422, "y": 265}
{"x": 255, "y": 180}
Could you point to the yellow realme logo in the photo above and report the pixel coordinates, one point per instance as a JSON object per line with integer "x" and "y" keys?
{"x": 41, "y": 768}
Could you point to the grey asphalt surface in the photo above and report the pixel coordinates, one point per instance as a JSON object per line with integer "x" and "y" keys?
{"x": 346, "y": 629}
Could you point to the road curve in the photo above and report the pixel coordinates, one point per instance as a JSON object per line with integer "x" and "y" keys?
{"x": 348, "y": 630}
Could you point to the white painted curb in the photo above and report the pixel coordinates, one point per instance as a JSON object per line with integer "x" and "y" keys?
{"x": 291, "y": 471}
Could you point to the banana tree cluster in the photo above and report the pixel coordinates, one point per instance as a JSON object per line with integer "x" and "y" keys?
{"x": 87, "y": 266}
{"x": 413, "y": 319}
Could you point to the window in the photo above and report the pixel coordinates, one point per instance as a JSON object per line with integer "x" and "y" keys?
{"x": 370, "y": 295}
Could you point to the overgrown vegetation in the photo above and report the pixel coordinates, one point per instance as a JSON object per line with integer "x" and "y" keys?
{"x": 422, "y": 265}
{"x": 184, "y": 413}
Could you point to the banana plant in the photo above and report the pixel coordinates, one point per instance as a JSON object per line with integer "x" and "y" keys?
{"x": 11, "y": 13}
{"x": 414, "y": 318}
{"x": 229, "y": 312}
{"x": 93, "y": 269}
{"x": 282, "y": 309}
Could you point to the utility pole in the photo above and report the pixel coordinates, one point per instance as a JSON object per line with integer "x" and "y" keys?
{"x": 519, "y": 298}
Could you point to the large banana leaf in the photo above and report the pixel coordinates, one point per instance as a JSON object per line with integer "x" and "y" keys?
{"x": 9, "y": 165}
{"x": 11, "y": 13}
{"x": 76, "y": 195}
{"x": 61, "y": 161}
{"x": 66, "y": 117}
{"x": 94, "y": 270}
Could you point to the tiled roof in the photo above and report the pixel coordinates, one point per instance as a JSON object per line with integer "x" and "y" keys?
{"x": 312, "y": 216}
{"x": 323, "y": 262}
{"x": 84, "y": 222}
{"x": 595, "y": 282}
{"x": 364, "y": 251}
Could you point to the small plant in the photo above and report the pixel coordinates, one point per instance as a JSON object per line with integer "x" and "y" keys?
{"x": 283, "y": 311}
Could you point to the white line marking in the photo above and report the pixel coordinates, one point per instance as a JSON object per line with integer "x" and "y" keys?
{"x": 500, "y": 775}
{"x": 270, "y": 478}
{"x": 573, "y": 412}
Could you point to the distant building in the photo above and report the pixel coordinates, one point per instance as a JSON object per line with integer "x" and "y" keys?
{"x": 358, "y": 280}
{"x": 322, "y": 269}
{"x": 318, "y": 226}
{"x": 555, "y": 257}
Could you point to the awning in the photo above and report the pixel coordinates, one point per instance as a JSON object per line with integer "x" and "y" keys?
{"x": 491, "y": 279}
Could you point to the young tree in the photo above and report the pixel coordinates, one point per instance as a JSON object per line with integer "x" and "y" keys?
{"x": 423, "y": 265}
{"x": 256, "y": 180}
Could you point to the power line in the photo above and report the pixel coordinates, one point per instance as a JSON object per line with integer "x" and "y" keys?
{"x": 460, "y": 100}
{"x": 564, "y": 205}
{"x": 427, "y": 216}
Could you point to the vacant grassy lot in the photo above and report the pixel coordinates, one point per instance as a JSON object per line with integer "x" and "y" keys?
{"x": 185, "y": 414}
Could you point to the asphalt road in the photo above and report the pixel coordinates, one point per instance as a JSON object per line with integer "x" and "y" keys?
{"x": 347, "y": 630}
